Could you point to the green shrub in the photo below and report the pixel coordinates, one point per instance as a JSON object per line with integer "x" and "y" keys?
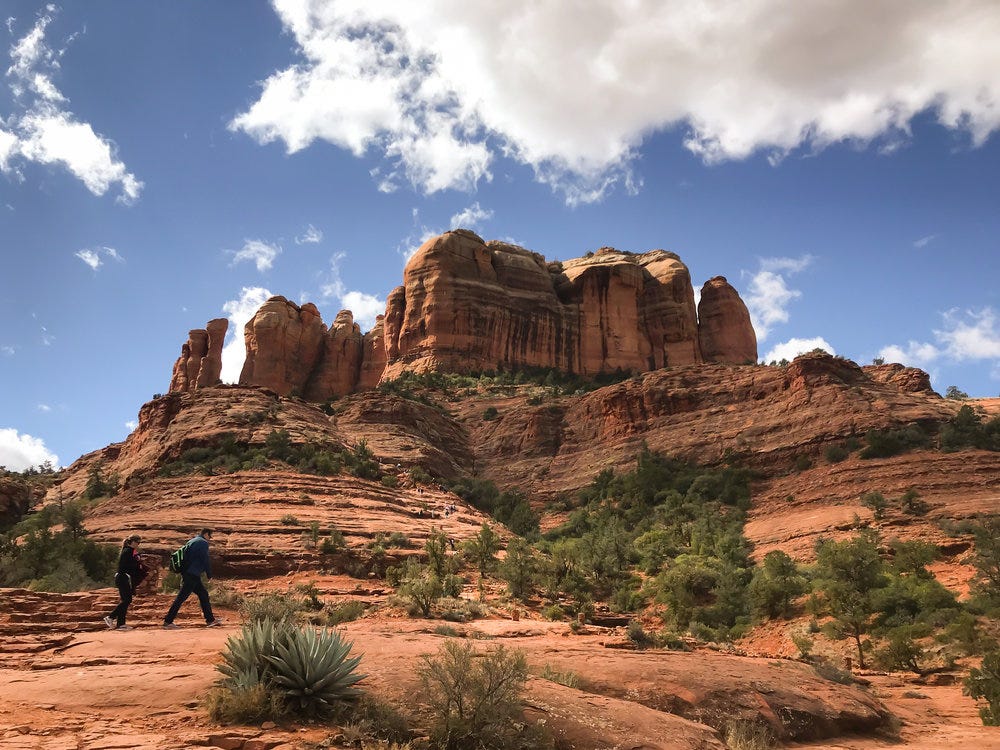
{"x": 273, "y": 607}
{"x": 333, "y": 543}
{"x": 876, "y": 502}
{"x": 421, "y": 586}
{"x": 569, "y": 679}
{"x": 554, "y": 612}
{"x": 308, "y": 669}
{"x": 901, "y": 651}
{"x": 834, "y": 454}
{"x": 886, "y": 443}
{"x": 490, "y": 414}
{"x": 343, "y": 612}
{"x": 474, "y": 698}
{"x": 388, "y": 480}
{"x": 289, "y": 520}
{"x": 802, "y": 463}
{"x": 983, "y": 684}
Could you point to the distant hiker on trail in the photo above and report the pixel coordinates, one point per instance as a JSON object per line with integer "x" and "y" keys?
{"x": 195, "y": 563}
{"x": 130, "y": 573}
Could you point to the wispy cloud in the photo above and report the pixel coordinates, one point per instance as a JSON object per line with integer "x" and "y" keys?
{"x": 769, "y": 294}
{"x": 310, "y": 236}
{"x": 365, "y": 307}
{"x": 925, "y": 241}
{"x": 795, "y": 346}
{"x": 45, "y": 408}
{"x": 239, "y": 311}
{"x": 41, "y": 130}
{"x": 471, "y": 217}
{"x": 438, "y": 90}
{"x": 131, "y": 425}
{"x": 965, "y": 335}
{"x": 419, "y": 234}
{"x": 21, "y": 451}
{"x": 93, "y": 257}
{"x": 260, "y": 253}
{"x": 7, "y": 351}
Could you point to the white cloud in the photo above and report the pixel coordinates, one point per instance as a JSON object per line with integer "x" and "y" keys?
{"x": 915, "y": 354}
{"x": 471, "y": 217}
{"x": 93, "y": 257}
{"x": 239, "y": 312}
{"x": 439, "y": 88}
{"x": 309, "y": 237}
{"x": 364, "y": 306}
{"x": 131, "y": 424}
{"x": 7, "y": 350}
{"x": 41, "y": 130}
{"x": 19, "y": 451}
{"x": 925, "y": 241}
{"x": 794, "y": 347}
{"x": 965, "y": 335}
{"x": 44, "y": 408}
{"x": 418, "y": 235}
{"x": 769, "y": 295}
{"x": 90, "y": 257}
{"x": 261, "y": 253}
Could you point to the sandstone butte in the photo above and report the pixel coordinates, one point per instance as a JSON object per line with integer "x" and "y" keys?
{"x": 467, "y": 305}
{"x": 64, "y": 682}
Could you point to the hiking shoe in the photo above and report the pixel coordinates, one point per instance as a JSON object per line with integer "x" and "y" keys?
{"x": 216, "y": 623}
{"x": 124, "y": 627}
{"x": 110, "y": 623}
{"x": 171, "y": 626}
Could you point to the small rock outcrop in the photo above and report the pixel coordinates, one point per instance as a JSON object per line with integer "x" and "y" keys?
{"x": 200, "y": 363}
{"x": 906, "y": 379}
{"x": 725, "y": 334}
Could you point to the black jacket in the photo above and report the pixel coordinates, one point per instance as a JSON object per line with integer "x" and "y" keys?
{"x": 130, "y": 564}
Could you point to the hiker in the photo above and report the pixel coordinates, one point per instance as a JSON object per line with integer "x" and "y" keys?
{"x": 196, "y": 562}
{"x": 130, "y": 573}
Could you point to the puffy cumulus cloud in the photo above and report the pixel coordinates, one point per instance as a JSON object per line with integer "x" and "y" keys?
{"x": 964, "y": 335}
{"x": 43, "y": 131}
{"x": 310, "y": 236}
{"x": 239, "y": 311}
{"x": 364, "y": 306}
{"x": 93, "y": 257}
{"x": 439, "y": 88}
{"x": 19, "y": 451}
{"x": 131, "y": 424}
{"x": 769, "y": 295}
{"x": 792, "y": 348}
{"x": 260, "y": 253}
{"x": 471, "y": 217}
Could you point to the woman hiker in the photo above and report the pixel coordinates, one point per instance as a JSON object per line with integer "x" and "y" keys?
{"x": 130, "y": 573}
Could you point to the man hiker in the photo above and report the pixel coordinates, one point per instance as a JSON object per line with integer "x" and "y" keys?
{"x": 196, "y": 562}
{"x": 130, "y": 573}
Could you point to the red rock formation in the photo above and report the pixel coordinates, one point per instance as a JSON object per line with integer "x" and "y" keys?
{"x": 470, "y": 305}
{"x": 284, "y": 343}
{"x": 908, "y": 379}
{"x": 200, "y": 363}
{"x": 725, "y": 334}
{"x": 339, "y": 366}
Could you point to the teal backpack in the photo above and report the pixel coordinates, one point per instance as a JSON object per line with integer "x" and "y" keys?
{"x": 178, "y": 560}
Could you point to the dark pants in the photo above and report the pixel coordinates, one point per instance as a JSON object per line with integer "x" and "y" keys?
{"x": 124, "y": 584}
{"x": 191, "y": 584}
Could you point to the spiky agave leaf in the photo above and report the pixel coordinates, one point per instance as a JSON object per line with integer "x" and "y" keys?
{"x": 248, "y": 651}
{"x": 313, "y": 670}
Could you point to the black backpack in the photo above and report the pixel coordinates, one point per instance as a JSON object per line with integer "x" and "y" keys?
{"x": 178, "y": 560}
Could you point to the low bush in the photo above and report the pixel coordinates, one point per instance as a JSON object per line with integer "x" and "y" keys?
{"x": 273, "y": 607}
{"x": 745, "y": 734}
{"x": 474, "y": 698}
{"x": 344, "y": 612}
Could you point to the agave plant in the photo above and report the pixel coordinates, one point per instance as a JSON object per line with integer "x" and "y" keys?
{"x": 313, "y": 670}
{"x": 246, "y": 654}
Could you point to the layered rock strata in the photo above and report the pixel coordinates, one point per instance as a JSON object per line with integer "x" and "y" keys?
{"x": 467, "y": 305}
{"x": 200, "y": 363}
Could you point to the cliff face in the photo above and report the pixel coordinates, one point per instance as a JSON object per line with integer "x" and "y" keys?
{"x": 467, "y": 305}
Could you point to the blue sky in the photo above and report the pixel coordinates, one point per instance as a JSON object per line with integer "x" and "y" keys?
{"x": 162, "y": 164}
